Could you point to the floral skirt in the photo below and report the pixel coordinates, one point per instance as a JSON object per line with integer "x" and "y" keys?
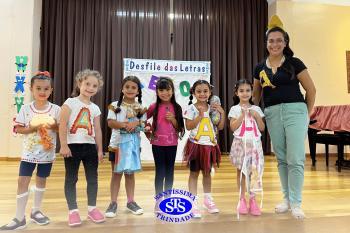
{"x": 249, "y": 158}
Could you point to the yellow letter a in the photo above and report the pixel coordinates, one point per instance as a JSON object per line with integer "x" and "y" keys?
{"x": 205, "y": 129}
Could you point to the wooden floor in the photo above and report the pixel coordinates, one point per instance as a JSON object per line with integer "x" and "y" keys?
{"x": 326, "y": 202}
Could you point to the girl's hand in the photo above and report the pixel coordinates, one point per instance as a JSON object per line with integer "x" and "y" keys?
{"x": 201, "y": 111}
{"x": 65, "y": 151}
{"x": 169, "y": 116}
{"x": 35, "y": 128}
{"x": 218, "y": 108}
{"x": 100, "y": 157}
{"x": 254, "y": 114}
{"x": 52, "y": 126}
{"x": 130, "y": 126}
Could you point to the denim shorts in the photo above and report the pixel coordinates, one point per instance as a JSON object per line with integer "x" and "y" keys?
{"x": 43, "y": 169}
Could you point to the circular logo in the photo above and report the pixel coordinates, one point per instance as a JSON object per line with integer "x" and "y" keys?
{"x": 174, "y": 205}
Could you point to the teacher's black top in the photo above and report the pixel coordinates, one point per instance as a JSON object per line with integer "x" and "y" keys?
{"x": 283, "y": 86}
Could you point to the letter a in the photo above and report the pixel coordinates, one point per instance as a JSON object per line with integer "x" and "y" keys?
{"x": 82, "y": 121}
{"x": 205, "y": 129}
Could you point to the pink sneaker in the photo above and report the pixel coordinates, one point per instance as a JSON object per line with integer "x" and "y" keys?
{"x": 254, "y": 207}
{"x": 210, "y": 205}
{"x": 242, "y": 209}
{"x": 74, "y": 219}
{"x": 96, "y": 216}
{"x": 196, "y": 211}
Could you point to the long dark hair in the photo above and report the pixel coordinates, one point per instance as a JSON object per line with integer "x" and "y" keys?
{"x": 193, "y": 88}
{"x": 167, "y": 83}
{"x": 287, "y": 51}
{"x": 139, "y": 96}
{"x": 237, "y": 85}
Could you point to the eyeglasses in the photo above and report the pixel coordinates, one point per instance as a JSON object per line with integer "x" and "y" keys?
{"x": 277, "y": 41}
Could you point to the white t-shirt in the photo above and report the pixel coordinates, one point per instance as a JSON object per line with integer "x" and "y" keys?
{"x": 116, "y": 136}
{"x": 205, "y": 131}
{"x": 249, "y": 127}
{"x": 81, "y": 121}
{"x": 33, "y": 150}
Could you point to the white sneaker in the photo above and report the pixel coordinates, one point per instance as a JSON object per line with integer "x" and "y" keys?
{"x": 282, "y": 207}
{"x": 298, "y": 213}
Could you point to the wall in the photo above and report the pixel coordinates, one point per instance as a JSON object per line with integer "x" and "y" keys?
{"x": 19, "y": 29}
{"x": 320, "y": 35}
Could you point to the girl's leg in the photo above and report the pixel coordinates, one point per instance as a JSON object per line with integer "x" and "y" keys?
{"x": 111, "y": 211}
{"x": 115, "y": 184}
{"x": 130, "y": 189}
{"x": 71, "y": 178}
{"x": 160, "y": 157}
{"x": 208, "y": 199}
{"x": 43, "y": 171}
{"x": 169, "y": 170}
{"x": 241, "y": 185}
{"x": 193, "y": 182}
{"x": 90, "y": 162}
{"x": 22, "y": 196}
{"x": 206, "y": 182}
{"x": 192, "y": 187}
{"x": 130, "y": 186}
{"x": 25, "y": 174}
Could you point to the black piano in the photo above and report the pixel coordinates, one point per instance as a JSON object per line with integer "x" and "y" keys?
{"x": 335, "y": 120}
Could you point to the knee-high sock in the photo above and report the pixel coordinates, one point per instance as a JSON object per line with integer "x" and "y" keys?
{"x": 21, "y": 205}
{"x": 38, "y": 198}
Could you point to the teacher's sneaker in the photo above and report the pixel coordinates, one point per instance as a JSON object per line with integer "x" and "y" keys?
{"x": 297, "y": 212}
{"x": 282, "y": 207}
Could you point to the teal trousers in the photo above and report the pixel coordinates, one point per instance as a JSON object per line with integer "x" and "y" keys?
{"x": 287, "y": 124}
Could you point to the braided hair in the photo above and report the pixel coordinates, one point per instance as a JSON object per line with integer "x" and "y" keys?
{"x": 167, "y": 83}
{"x": 193, "y": 88}
{"x": 139, "y": 96}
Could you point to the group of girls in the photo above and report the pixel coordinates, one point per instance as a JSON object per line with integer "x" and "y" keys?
{"x": 78, "y": 125}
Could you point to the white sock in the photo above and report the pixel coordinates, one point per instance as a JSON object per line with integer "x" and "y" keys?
{"x": 38, "y": 198}
{"x": 207, "y": 195}
{"x": 21, "y": 205}
{"x": 73, "y": 210}
{"x": 91, "y": 208}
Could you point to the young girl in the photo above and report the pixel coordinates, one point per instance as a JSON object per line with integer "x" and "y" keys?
{"x": 81, "y": 141}
{"x": 202, "y": 151}
{"x": 167, "y": 127}
{"x": 37, "y": 121}
{"x": 246, "y": 151}
{"x": 126, "y": 119}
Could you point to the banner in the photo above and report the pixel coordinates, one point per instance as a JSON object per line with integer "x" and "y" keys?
{"x": 183, "y": 74}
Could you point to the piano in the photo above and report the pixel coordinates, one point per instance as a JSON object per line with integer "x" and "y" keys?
{"x": 335, "y": 120}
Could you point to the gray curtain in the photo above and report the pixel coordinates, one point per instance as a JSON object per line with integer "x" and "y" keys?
{"x": 230, "y": 34}
{"x": 98, "y": 34}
